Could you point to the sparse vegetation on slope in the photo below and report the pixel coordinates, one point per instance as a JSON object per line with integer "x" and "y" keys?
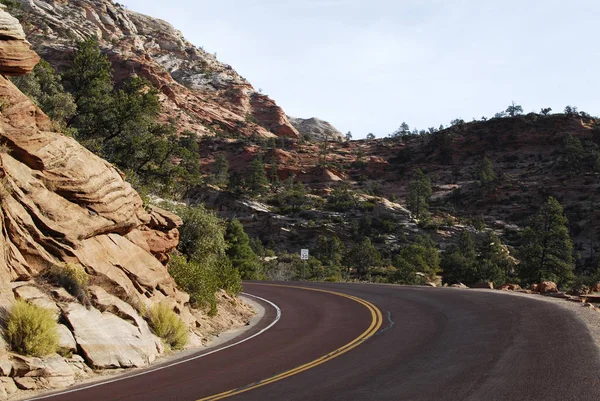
{"x": 31, "y": 329}
{"x": 167, "y": 325}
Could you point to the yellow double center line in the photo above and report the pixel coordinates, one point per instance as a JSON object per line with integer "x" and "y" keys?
{"x": 376, "y": 321}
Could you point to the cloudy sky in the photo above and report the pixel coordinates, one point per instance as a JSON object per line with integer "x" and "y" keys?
{"x": 368, "y": 65}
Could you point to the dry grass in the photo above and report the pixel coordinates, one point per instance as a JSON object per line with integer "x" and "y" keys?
{"x": 72, "y": 277}
{"x": 31, "y": 330}
{"x": 167, "y": 325}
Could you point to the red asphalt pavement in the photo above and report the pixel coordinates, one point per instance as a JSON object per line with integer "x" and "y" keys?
{"x": 435, "y": 344}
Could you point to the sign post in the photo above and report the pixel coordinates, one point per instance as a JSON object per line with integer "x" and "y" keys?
{"x": 304, "y": 258}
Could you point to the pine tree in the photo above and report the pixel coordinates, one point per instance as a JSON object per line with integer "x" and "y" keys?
{"x": 486, "y": 172}
{"x": 419, "y": 192}
{"x": 44, "y": 86}
{"x": 240, "y": 252}
{"x": 421, "y": 256}
{"x": 220, "y": 171}
{"x": 89, "y": 80}
{"x": 547, "y": 251}
{"x": 362, "y": 256}
{"x": 573, "y": 153}
{"x": 459, "y": 261}
{"x": 257, "y": 177}
{"x": 329, "y": 250}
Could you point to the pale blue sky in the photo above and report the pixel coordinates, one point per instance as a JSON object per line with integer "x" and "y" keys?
{"x": 366, "y": 66}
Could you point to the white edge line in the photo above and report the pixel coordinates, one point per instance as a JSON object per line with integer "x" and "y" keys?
{"x": 174, "y": 363}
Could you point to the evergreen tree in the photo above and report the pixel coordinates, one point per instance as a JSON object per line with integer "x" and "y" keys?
{"x": 89, "y": 80}
{"x": 122, "y": 125}
{"x": 514, "y": 110}
{"x": 596, "y": 166}
{"x": 256, "y": 180}
{"x": 486, "y": 172}
{"x": 329, "y": 250}
{"x": 573, "y": 153}
{"x": 547, "y": 251}
{"x": 44, "y": 86}
{"x": 459, "y": 261}
{"x": 362, "y": 256}
{"x": 220, "y": 171}
{"x": 421, "y": 256}
{"x": 419, "y": 192}
{"x": 240, "y": 252}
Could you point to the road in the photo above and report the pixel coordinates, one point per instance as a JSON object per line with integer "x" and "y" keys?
{"x": 431, "y": 344}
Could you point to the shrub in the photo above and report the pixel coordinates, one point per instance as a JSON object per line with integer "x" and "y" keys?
{"x": 72, "y": 277}
{"x": 167, "y": 325}
{"x": 198, "y": 279}
{"x": 31, "y": 330}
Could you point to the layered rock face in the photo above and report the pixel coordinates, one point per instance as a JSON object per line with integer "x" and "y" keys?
{"x": 61, "y": 204}
{"x": 16, "y": 57}
{"x": 202, "y": 94}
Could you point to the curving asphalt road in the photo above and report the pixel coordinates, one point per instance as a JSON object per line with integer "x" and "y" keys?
{"x": 433, "y": 344}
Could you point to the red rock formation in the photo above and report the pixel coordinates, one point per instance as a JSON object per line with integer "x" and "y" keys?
{"x": 16, "y": 58}
{"x": 202, "y": 94}
{"x": 61, "y": 203}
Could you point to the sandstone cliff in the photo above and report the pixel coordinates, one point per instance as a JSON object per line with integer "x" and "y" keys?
{"x": 59, "y": 203}
{"x": 203, "y": 95}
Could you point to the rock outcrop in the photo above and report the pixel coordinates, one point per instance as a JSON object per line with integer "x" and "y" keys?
{"x": 16, "y": 58}
{"x": 316, "y": 129}
{"x": 60, "y": 204}
{"x": 202, "y": 94}
{"x": 107, "y": 341}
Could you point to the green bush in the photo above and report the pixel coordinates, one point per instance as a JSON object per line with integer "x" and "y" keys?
{"x": 198, "y": 279}
{"x": 72, "y": 277}
{"x": 167, "y": 325}
{"x": 31, "y": 330}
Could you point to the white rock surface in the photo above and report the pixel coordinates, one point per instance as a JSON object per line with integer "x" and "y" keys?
{"x": 36, "y": 297}
{"x": 66, "y": 341}
{"x": 109, "y": 342}
{"x": 35, "y": 373}
{"x": 7, "y": 387}
{"x": 317, "y": 129}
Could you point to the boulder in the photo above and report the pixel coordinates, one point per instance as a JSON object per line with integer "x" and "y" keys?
{"x": 66, "y": 341}
{"x": 510, "y": 287}
{"x": 534, "y": 288}
{"x": 5, "y": 366}
{"x": 595, "y": 287}
{"x": 3, "y": 346}
{"x": 106, "y": 302}
{"x": 546, "y": 287}
{"x": 7, "y": 387}
{"x": 107, "y": 342}
{"x": 35, "y": 296}
{"x": 459, "y": 285}
{"x": 36, "y": 373}
{"x": 77, "y": 364}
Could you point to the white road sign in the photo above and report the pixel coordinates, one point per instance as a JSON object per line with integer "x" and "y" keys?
{"x": 304, "y": 254}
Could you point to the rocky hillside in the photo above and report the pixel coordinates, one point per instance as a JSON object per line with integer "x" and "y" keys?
{"x": 528, "y": 154}
{"x": 200, "y": 93}
{"x": 63, "y": 207}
